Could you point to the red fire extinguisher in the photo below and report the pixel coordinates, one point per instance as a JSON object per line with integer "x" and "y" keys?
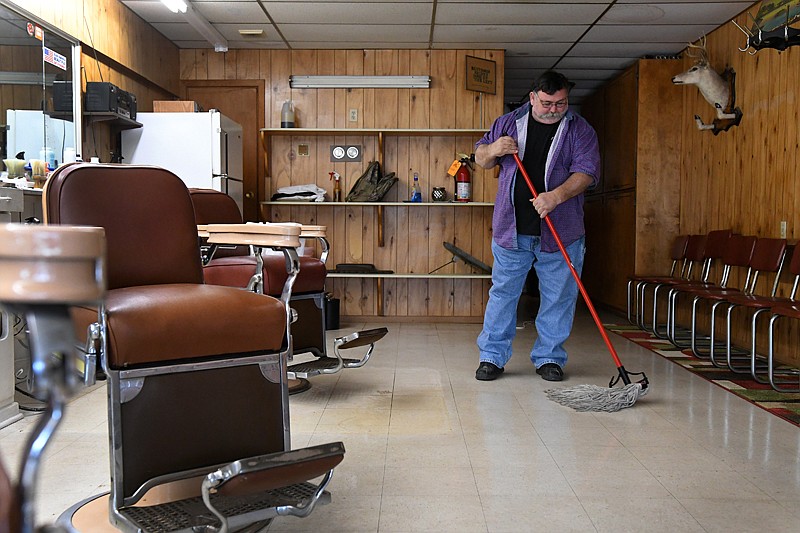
{"x": 464, "y": 179}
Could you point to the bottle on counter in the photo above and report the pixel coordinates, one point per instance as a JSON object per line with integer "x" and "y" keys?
{"x": 287, "y": 114}
{"x": 416, "y": 192}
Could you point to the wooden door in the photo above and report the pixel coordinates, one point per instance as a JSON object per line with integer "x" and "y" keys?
{"x": 242, "y": 101}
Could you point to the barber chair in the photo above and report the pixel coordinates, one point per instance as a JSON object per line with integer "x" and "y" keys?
{"x": 197, "y": 396}
{"x": 43, "y": 271}
{"x": 237, "y": 266}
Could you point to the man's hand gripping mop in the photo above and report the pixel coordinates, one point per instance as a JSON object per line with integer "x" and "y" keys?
{"x": 592, "y": 397}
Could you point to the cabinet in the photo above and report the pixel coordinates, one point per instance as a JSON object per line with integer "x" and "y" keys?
{"x": 634, "y": 215}
{"x": 406, "y": 238}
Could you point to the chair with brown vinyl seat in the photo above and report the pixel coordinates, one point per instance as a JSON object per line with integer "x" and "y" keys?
{"x": 214, "y": 210}
{"x": 235, "y": 266}
{"x": 196, "y": 372}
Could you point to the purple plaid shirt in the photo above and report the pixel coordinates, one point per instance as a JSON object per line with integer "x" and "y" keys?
{"x": 574, "y": 149}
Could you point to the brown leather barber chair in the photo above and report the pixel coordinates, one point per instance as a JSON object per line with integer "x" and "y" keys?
{"x": 42, "y": 272}
{"x": 197, "y": 396}
{"x": 238, "y": 267}
{"x": 233, "y": 266}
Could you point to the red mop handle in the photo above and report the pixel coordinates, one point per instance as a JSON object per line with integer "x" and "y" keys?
{"x": 571, "y": 267}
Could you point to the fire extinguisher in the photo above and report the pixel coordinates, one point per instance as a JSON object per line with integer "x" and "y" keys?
{"x": 464, "y": 179}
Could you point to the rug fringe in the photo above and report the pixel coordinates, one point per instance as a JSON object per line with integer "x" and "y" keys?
{"x": 594, "y": 398}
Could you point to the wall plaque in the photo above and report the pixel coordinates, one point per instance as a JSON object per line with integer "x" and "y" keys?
{"x": 481, "y": 75}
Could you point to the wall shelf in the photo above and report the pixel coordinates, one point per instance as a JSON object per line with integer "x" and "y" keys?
{"x": 266, "y": 135}
{"x": 381, "y": 133}
{"x": 380, "y": 206}
{"x": 115, "y": 119}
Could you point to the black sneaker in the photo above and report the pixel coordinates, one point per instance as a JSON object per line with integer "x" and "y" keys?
{"x": 550, "y": 372}
{"x": 487, "y": 371}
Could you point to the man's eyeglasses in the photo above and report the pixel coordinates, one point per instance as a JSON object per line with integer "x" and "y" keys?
{"x": 561, "y": 104}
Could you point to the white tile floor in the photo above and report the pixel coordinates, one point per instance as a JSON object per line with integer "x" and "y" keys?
{"x": 429, "y": 448}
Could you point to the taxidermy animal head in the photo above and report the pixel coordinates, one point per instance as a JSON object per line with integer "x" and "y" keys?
{"x": 718, "y": 90}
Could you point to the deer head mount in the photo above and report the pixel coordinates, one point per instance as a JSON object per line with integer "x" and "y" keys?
{"x": 718, "y": 90}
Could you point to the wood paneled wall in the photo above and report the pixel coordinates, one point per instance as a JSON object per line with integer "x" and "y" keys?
{"x": 130, "y": 54}
{"x": 414, "y": 235}
{"x": 20, "y": 59}
{"x": 112, "y": 29}
{"x": 746, "y": 179}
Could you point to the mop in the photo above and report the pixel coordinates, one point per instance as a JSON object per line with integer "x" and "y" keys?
{"x": 592, "y": 397}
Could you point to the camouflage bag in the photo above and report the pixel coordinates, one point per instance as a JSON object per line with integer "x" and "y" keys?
{"x": 371, "y": 186}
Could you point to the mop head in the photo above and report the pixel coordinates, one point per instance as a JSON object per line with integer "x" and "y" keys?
{"x": 594, "y": 398}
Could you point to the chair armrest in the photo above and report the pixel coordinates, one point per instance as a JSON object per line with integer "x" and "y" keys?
{"x": 262, "y": 235}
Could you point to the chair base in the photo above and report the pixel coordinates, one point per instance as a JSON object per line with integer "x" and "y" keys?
{"x": 91, "y": 515}
{"x": 315, "y": 367}
{"x": 297, "y": 385}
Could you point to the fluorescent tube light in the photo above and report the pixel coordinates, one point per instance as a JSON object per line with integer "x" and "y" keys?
{"x": 176, "y": 6}
{"x": 366, "y": 82}
{"x": 209, "y": 32}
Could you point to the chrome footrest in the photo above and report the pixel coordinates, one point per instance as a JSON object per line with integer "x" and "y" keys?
{"x": 316, "y": 367}
{"x": 191, "y": 515}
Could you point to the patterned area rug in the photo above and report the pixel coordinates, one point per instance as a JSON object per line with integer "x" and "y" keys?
{"x": 781, "y": 404}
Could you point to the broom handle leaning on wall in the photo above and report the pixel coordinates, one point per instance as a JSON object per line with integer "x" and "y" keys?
{"x": 575, "y": 275}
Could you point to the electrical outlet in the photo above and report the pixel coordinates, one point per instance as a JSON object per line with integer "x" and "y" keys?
{"x": 353, "y": 115}
{"x": 783, "y": 229}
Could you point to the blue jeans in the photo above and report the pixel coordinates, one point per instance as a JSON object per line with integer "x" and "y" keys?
{"x": 558, "y": 294}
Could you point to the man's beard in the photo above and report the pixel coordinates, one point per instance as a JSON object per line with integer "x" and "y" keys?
{"x": 551, "y": 117}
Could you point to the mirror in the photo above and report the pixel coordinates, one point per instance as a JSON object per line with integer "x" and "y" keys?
{"x": 39, "y": 89}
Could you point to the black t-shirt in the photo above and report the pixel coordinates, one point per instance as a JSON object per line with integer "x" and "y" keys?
{"x": 537, "y": 145}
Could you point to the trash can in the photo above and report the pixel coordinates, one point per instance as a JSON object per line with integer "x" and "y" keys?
{"x": 331, "y": 312}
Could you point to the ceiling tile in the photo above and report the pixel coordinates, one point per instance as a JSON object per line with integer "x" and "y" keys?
{"x": 646, "y": 34}
{"x": 231, "y": 12}
{"x": 350, "y": 13}
{"x": 505, "y": 33}
{"x": 490, "y": 13}
{"x": 354, "y": 32}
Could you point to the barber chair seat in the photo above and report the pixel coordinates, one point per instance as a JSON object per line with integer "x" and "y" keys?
{"x": 198, "y": 403}
{"x": 235, "y": 266}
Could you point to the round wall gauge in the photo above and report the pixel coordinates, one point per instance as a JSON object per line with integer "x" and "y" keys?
{"x": 338, "y": 152}
{"x": 352, "y": 152}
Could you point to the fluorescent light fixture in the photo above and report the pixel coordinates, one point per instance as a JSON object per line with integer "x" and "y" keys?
{"x": 198, "y": 22}
{"x": 251, "y": 33}
{"x": 176, "y": 6}
{"x": 365, "y": 82}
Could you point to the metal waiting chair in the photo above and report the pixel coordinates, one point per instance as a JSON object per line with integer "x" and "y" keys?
{"x": 716, "y": 245}
{"x": 197, "y": 395}
{"x": 694, "y": 268}
{"x": 636, "y": 282}
{"x": 766, "y": 257}
{"x": 775, "y": 307}
{"x": 792, "y": 375}
{"x": 738, "y": 252}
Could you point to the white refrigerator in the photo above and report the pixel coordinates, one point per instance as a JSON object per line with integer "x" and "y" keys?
{"x": 203, "y": 149}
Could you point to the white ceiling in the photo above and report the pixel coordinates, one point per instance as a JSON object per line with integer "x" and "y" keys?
{"x": 589, "y": 41}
